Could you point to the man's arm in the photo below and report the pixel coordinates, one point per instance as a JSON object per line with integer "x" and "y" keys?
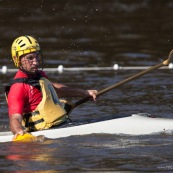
{"x": 16, "y": 125}
{"x": 65, "y": 91}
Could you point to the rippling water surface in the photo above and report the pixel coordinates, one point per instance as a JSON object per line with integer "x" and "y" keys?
{"x": 95, "y": 33}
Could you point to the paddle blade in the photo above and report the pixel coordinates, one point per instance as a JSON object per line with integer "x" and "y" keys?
{"x": 27, "y": 137}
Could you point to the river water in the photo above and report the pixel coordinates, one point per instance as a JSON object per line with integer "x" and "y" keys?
{"x": 94, "y": 33}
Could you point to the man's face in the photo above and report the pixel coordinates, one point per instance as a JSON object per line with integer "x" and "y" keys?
{"x": 30, "y": 62}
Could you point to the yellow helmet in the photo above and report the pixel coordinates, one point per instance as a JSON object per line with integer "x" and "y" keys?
{"x": 23, "y": 45}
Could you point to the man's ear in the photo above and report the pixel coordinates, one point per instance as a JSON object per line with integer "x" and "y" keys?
{"x": 19, "y": 64}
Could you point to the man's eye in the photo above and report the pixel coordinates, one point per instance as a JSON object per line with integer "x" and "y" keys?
{"x": 30, "y": 58}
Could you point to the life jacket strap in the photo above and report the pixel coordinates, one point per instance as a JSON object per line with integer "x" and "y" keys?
{"x": 32, "y": 124}
{"x": 28, "y": 115}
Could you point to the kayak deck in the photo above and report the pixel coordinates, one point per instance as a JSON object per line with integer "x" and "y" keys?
{"x": 133, "y": 125}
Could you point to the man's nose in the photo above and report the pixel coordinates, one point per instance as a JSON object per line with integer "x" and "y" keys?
{"x": 35, "y": 60}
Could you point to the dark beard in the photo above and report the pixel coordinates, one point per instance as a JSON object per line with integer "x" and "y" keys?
{"x": 35, "y": 75}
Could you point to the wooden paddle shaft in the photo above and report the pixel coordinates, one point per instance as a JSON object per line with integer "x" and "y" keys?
{"x": 129, "y": 79}
{"x": 122, "y": 82}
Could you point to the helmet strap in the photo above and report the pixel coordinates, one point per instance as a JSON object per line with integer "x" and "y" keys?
{"x": 41, "y": 61}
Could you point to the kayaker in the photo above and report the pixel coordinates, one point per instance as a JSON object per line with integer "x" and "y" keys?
{"x": 33, "y": 101}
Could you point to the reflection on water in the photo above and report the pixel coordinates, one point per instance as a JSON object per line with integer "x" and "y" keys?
{"x": 92, "y": 153}
{"x": 19, "y": 156}
{"x": 94, "y": 34}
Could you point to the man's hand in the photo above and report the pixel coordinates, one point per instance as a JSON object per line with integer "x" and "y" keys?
{"x": 93, "y": 93}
